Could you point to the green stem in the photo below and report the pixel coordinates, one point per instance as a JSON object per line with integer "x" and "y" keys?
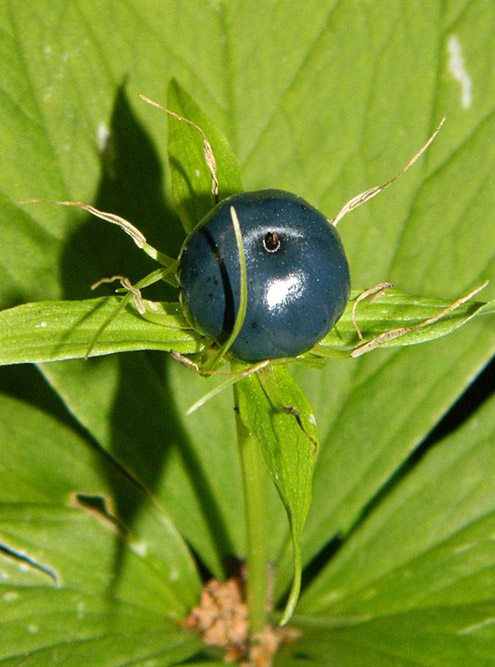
{"x": 256, "y": 580}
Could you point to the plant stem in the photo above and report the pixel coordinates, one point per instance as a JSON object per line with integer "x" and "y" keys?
{"x": 256, "y": 580}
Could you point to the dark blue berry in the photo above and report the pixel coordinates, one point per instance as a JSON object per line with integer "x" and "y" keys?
{"x": 297, "y": 275}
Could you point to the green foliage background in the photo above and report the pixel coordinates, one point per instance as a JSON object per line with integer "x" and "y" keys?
{"x": 324, "y": 99}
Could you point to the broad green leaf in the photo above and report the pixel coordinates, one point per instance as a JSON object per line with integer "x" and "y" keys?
{"x": 54, "y": 330}
{"x": 74, "y": 526}
{"x": 191, "y": 179}
{"x": 277, "y": 413}
{"x": 45, "y": 536}
{"x": 55, "y": 485}
{"x": 435, "y": 527}
{"x": 414, "y": 319}
{"x": 73, "y": 627}
{"x": 410, "y": 638}
{"x": 424, "y": 558}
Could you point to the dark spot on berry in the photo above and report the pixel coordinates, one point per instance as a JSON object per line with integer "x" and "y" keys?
{"x": 271, "y": 242}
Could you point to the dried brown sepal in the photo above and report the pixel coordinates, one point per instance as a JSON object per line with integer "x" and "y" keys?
{"x": 128, "y": 287}
{"x": 137, "y": 236}
{"x": 371, "y": 294}
{"x": 384, "y": 337}
{"x": 363, "y": 197}
{"x": 207, "y": 150}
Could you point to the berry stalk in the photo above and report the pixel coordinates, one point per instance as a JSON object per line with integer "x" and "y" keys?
{"x": 256, "y": 562}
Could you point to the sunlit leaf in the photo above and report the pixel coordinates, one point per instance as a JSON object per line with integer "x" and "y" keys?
{"x": 191, "y": 178}
{"x": 69, "y": 534}
{"x": 55, "y": 330}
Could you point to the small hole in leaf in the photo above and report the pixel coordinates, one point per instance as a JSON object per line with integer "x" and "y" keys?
{"x": 97, "y": 506}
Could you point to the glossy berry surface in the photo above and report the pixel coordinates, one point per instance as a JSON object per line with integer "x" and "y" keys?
{"x": 297, "y": 275}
